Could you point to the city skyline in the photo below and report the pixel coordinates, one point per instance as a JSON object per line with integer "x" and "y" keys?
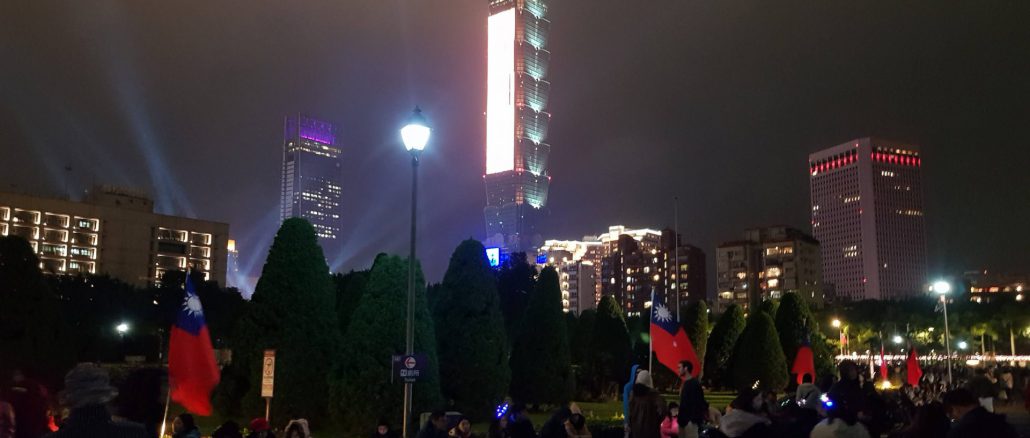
{"x": 723, "y": 117}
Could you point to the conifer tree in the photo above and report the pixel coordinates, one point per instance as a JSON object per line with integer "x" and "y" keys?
{"x": 541, "y": 370}
{"x": 470, "y": 335}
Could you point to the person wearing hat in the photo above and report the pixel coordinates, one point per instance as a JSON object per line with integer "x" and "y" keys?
{"x": 6, "y": 420}
{"x": 646, "y": 408}
{"x": 87, "y": 389}
{"x": 259, "y": 429}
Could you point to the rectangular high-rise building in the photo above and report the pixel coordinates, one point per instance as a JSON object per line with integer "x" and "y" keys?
{"x": 115, "y": 232}
{"x": 311, "y": 175}
{"x": 629, "y": 265}
{"x": 867, "y": 213}
{"x": 516, "y": 176}
{"x": 768, "y": 263}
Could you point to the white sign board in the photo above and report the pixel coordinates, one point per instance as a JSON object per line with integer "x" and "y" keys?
{"x": 268, "y": 374}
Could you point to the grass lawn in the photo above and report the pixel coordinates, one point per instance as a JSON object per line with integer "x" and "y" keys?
{"x": 612, "y": 411}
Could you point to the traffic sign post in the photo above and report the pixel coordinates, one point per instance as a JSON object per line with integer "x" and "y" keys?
{"x": 268, "y": 381}
{"x": 409, "y": 368}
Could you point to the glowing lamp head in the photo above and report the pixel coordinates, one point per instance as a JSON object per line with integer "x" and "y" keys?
{"x": 122, "y": 328}
{"x": 415, "y": 133}
{"x": 835, "y": 323}
{"x": 941, "y": 287}
{"x": 962, "y": 345}
{"x": 897, "y": 339}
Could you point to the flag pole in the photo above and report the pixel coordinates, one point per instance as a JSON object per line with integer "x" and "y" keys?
{"x": 168, "y": 393}
{"x": 168, "y": 401}
{"x": 676, "y": 246}
{"x": 650, "y": 337}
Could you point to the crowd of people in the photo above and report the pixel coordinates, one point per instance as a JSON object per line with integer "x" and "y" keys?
{"x": 850, "y": 407}
{"x": 846, "y": 407}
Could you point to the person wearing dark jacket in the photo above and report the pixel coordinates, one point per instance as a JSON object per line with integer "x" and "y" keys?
{"x": 87, "y": 388}
{"x": 6, "y": 420}
{"x": 971, "y": 419}
{"x": 185, "y": 427}
{"x": 646, "y": 408}
{"x": 436, "y": 427}
{"x": 29, "y": 400}
{"x": 693, "y": 407}
{"x": 229, "y": 429}
{"x": 555, "y": 426}
{"x": 519, "y": 424}
{"x": 383, "y": 430}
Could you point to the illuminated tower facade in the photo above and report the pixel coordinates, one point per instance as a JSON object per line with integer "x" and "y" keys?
{"x": 311, "y": 175}
{"x": 516, "y": 123}
{"x": 867, "y": 213}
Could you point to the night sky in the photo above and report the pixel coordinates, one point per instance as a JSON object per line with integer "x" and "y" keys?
{"x": 718, "y": 103}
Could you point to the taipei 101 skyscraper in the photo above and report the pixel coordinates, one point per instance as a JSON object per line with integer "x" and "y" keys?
{"x": 516, "y": 174}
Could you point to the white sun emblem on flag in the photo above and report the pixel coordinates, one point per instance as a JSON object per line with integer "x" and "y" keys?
{"x": 192, "y": 306}
{"x": 662, "y": 313}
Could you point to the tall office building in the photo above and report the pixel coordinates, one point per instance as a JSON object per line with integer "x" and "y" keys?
{"x": 516, "y": 175}
{"x": 867, "y": 213}
{"x": 311, "y": 175}
{"x": 767, "y": 263}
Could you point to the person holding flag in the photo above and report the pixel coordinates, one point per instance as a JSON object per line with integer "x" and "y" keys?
{"x": 192, "y": 371}
{"x": 674, "y": 349}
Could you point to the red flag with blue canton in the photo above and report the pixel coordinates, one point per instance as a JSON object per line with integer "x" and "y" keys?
{"x": 192, "y": 371}
{"x": 804, "y": 362}
{"x": 912, "y": 370}
{"x": 668, "y": 339}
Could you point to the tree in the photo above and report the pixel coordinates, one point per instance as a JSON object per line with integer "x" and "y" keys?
{"x": 541, "y": 371}
{"x": 32, "y": 336}
{"x": 758, "y": 357}
{"x": 515, "y": 283}
{"x": 792, "y": 324}
{"x": 470, "y": 334}
{"x": 291, "y": 311}
{"x": 359, "y": 386}
{"x": 720, "y": 345}
{"x": 581, "y": 334}
{"x": 770, "y": 306}
{"x": 695, "y": 322}
{"x": 349, "y": 289}
{"x": 611, "y": 350}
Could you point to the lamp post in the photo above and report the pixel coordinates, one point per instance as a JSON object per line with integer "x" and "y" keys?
{"x": 122, "y": 328}
{"x": 415, "y": 135}
{"x": 942, "y": 288}
{"x": 840, "y": 333}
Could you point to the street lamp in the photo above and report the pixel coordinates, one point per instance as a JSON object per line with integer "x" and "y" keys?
{"x": 122, "y": 328}
{"x": 962, "y": 345}
{"x": 415, "y": 135}
{"x": 897, "y": 339}
{"x": 840, "y": 333}
{"x": 942, "y": 288}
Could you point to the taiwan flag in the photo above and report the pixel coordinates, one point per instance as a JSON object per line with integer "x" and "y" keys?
{"x": 668, "y": 339}
{"x": 804, "y": 362}
{"x": 912, "y": 370}
{"x": 192, "y": 372}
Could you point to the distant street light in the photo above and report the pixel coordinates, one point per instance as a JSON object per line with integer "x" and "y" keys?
{"x": 942, "y": 288}
{"x": 122, "y": 328}
{"x": 840, "y": 333}
{"x": 962, "y": 345}
{"x": 415, "y": 135}
{"x": 897, "y": 339}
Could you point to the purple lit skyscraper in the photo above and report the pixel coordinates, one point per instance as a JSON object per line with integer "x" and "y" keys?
{"x": 311, "y": 175}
